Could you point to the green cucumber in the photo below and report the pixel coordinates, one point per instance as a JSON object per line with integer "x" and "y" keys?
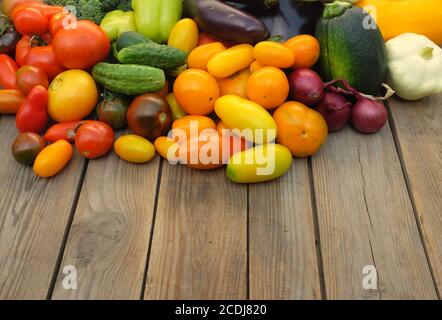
{"x": 350, "y": 49}
{"x": 130, "y": 38}
{"x": 154, "y": 55}
{"x": 129, "y": 79}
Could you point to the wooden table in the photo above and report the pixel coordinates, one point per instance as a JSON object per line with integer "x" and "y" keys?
{"x": 162, "y": 232}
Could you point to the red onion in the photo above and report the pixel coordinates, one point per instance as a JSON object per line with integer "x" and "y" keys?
{"x": 369, "y": 116}
{"x": 306, "y": 86}
{"x": 335, "y": 109}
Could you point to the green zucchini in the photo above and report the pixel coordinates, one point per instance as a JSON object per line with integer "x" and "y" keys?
{"x": 350, "y": 49}
{"x": 129, "y": 79}
{"x": 154, "y": 55}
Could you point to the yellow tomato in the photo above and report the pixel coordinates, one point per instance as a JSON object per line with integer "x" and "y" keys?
{"x": 134, "y": 149}
{"x": 199, "y": 57}
{"x": 259, "y": 164}
{"x": 167, "y": 148}
{"x": 184, "y": 35}
{"x": 52, "y": 159}
{"x": 73, "y": 96}
{"x": 232, "y": 60}
{"x": 253, "y": 121}
{"x": 177, "y": 112}
{"x": 274, "y": 54}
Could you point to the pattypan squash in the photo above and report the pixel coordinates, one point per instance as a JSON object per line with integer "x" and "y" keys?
{"x": 415, "y": 66}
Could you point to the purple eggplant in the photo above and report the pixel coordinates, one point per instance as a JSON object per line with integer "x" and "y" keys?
{"x": 257, "y": 4}
{"x": 226, "y": 22}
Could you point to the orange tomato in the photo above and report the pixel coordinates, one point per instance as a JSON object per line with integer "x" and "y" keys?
{"x": 192, "y": 126}
{"x": 255, "y": 66}
{"x": 220, "y": 127}
{"x": 196, "y": 92}
{"x": 203, "y": 152}
{"x": 52, "y": 159}
{"x": 268, "y": 87}
{"x": 301, "y": 129}
{"x": 200, "y": 56}
{"x": 235, "y": 84}
{"x": 274, "y": 54}
{"x": 306, "y": 49}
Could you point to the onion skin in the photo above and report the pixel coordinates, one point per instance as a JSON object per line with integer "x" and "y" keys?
{"x": 335, "y": 109}
{"x": 306, "y": 87}
{"x": 369, "y": 116}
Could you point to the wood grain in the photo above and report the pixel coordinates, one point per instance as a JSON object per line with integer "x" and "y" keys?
{"x": 418, "y": 131}
{"x": 199, "y": 246}
{"x": 109, "y": 238}
{"x": 34, "y": 214}
{"x": 366, "y": 218}
{"x": 283, "y": 262}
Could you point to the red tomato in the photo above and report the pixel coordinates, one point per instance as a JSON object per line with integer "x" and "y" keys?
{"x": 94, "y": 139}
{"x": 44, "y": 58}
{"x": 81, "y": 47}
{"x": 28, "y": 77}
{"x": 31, "y": 21}
{"x": 57, "y": 22}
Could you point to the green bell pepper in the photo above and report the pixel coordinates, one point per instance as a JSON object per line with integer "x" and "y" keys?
{"x": 156, "y": 18}
{"x": 117, "y": 22}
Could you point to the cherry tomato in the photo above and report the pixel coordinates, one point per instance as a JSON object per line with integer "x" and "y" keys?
{"x": 81, "y": 47}
{"x": 94, "y": 139}
{"x": 28, "y": 77}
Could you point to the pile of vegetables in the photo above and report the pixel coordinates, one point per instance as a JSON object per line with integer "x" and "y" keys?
{"x": 204, "y": 83}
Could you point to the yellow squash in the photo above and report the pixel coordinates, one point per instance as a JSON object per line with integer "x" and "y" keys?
{"x": 395, "y": 17}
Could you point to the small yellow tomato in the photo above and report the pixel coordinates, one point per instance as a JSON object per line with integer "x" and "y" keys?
{"x": 184, "y": 35}
{"x": 134, "y": 149}
{"x": 73, "y": 96}
{"x": 274, "y": 54}
{"x": 177, "y": 112}
{"x": 253, "y": 121}
{"x": 232, "y": 60}
{"x": 167, "y": 148}
{"x": 52, "y": 159}
{"x": 259, "y": 164}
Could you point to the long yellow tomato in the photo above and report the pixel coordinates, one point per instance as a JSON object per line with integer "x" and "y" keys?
{"x": 260, "y": 164}
{"x": 232, "y": 60}
{"x": 254, "y": 122}
{"x": 184, "y": 35}
{"x": 134, "y": 149}
{"x": 73, "y": 95}
{"x": 53, "y": 159}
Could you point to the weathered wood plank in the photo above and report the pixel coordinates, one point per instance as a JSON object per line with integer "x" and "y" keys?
{"x": 283, "y": 262}
{"x": 366, "y": 218}
{"x": 418, "y": 132}
{"x": 199, "y": 248}
{"x": 109, "y": 238}
{"x": 34, "y": 214}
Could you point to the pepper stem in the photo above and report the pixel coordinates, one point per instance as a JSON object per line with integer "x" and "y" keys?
{"x": 427, "y": 53}
{"x": 336, "y": 9}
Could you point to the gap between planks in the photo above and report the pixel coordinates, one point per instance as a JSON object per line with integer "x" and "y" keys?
{"x": 400, "y": 153}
